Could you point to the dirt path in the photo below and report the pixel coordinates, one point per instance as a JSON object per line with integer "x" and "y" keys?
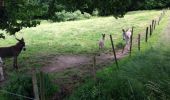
{"x": 63, "y": 62}
{"x": 72, "y": 70}
{"x": 77, "y": 69}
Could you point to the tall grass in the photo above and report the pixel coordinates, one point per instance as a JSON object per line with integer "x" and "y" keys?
{"x": 20, "y": 84}
{"x": 144, "y": 76}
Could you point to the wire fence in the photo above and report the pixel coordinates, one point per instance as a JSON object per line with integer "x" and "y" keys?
{"x": 149, "y": 29}
{"x": 18, "y": 95}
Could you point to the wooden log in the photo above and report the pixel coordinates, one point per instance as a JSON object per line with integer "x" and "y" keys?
{"x": 114, "y": 52}
{"x": 35, "y": 86}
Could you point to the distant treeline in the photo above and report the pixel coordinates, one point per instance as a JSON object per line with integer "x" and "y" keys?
{"x": 104, "y": 7}
{"x": 27, "y": 11}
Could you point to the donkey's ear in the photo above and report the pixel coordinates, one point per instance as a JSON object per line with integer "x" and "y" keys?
{"x": 22, "y": 39}
{"x": 123, "y": 30}
{"x": 17, "y": 39}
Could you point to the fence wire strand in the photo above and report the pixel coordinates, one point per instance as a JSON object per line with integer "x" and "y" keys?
{"x": 4, "y": 91}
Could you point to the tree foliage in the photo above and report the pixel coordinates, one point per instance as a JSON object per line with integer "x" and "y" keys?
{"x": 156, "y": 4}
{"x": 17, "y": 14}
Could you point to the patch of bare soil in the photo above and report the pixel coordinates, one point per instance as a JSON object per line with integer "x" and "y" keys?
{"x": 63, "y": 62}
{"x": 74, "y": 69}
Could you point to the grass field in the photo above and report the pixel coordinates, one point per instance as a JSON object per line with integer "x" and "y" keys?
{"x": 144, "y": 76}
{"x": 81, "y": 37}
{"x": 74, "y": 37}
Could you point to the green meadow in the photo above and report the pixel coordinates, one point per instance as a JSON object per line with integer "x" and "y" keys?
{"x": 74, "y": 37}
{"x": 143, "y": 76}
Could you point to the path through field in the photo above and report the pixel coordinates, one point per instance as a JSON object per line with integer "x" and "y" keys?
{"x": 62, "y": 62}
{"x": 83, "y": 66}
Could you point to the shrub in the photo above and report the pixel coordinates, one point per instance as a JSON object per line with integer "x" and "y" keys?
{"x": 22, "y": 84}
{"x": 49, "y": 86}
{"x": 68, "y": 16}
{"x": 19, "y": 84}
{"x": 95, "y": 12}
{"x": 120, "y": 45}
{"x": 87, "y": 15}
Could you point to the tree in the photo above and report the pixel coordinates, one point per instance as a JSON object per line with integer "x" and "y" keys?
{"x": 156, "y": 4}
{"x": 17, "y": 14}
{"x": 116, "y": 8}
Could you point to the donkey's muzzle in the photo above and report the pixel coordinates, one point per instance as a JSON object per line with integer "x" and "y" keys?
{"x": 24, "y": 48}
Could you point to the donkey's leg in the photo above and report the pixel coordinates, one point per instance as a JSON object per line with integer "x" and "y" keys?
{"x": 128, "y": 44}
{"x": 15, "y": 62}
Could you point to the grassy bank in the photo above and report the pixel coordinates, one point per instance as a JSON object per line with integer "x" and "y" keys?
{"x": 77, "y": 37}
{"x": 74, "y": 37}
{"x": 144, "y": 76}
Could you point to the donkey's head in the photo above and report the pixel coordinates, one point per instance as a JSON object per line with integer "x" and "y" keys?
{"x": 124, "y": 34}
{"x": 21, "y": 43}
{"x": 103, "y": 36}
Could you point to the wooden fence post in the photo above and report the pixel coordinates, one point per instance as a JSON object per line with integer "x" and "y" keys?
{"x": 1, "y": 3}
{"x": 94, "y": 68}
{"x": 155, "y": 25}
{"x": 139, "y": 42}
{"x": 161, "y": 17}
{"x": 146, "y": 38}
{"x": 113, "y": 48}
{"x": 158, "y": 20}
{"x": 1, "y": 70}
{"x": 131, "y": 40}
{"x": 150, "y": 30}
{"x": 35, "y": 86}
{"x": 42, "y": 90}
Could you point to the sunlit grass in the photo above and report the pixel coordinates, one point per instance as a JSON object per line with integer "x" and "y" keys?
{"x": 143, "y": 76}
{"x": 75, "y": 37}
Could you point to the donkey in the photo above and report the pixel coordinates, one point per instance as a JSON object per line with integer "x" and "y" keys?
{"x": 101, "y": 42}
{"x": 127, "y": 36}
{"x": 13, "y": 51}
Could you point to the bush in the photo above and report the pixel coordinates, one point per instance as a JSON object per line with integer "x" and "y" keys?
{"x": 120, "y": 45}
{"x": 19, "y": 84}
{"x": 139, "y": 78}
{"x": 95, "y": 12}
{"x": 68, "y": 16}
{"x": 22, "y": 84}
{"x": 49, "y": 86}
{"x": 87, "y": 15}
